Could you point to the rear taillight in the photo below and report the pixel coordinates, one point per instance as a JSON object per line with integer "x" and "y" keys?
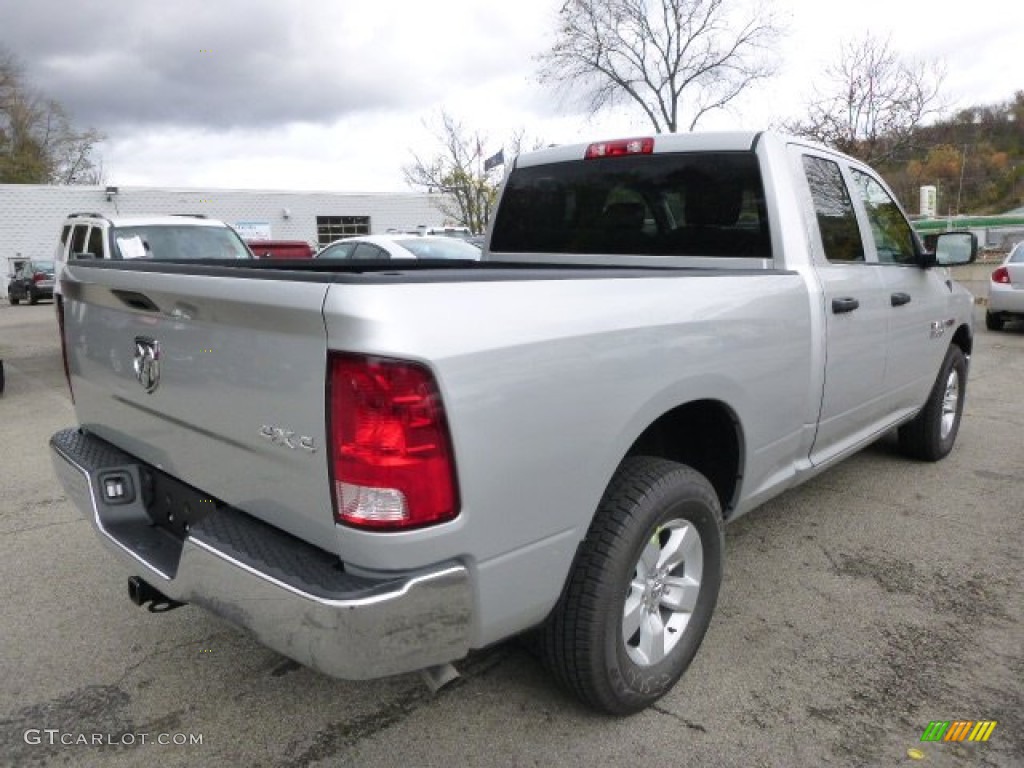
{"x": 391, "y": 455}
{"x": 58, "y": 303}
{"x": 620, "y": 147}
{"x": 1001, "y": 275}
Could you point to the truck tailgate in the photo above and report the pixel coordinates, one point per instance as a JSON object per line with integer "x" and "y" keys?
{"x": 188, "y": 373}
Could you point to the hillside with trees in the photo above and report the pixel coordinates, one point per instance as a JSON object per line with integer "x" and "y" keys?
{"x": 886, "y": 109}
{"x": 975, "y": 159}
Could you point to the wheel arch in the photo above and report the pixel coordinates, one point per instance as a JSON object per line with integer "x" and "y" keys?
{"x": 707, "y": 436}
{"x": 964, "y": 339}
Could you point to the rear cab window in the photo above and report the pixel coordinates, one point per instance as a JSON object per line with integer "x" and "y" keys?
{"x": 670, "y": 204}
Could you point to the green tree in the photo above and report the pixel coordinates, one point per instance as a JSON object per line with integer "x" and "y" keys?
{"x": 38, "y": 143}
{"x": 677, "y": 60}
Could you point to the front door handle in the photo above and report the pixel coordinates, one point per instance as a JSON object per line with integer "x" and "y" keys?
{"x": 845, "y": 304}
{"x": 899, "y": 299}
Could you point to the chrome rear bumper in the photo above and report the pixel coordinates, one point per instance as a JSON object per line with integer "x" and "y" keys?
{"x": 293, "y": 597}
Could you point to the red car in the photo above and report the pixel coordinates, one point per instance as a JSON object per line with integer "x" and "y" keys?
{"x": 280, "y": 249}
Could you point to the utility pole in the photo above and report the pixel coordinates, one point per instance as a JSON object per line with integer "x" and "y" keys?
{"x": 960, "y": 188}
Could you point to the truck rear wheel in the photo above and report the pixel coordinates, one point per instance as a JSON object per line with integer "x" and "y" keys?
{"x": 931, "y": 434}
{"x": 641, "y": 593}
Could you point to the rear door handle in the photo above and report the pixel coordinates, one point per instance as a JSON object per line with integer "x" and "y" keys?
{"x": 899, "y": 299}
{"x": 845, "y": 304}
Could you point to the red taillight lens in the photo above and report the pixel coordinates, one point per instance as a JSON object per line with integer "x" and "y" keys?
{"x": 391, "y": 455}
{"x": 38, "y": 277}
{"x": 620, "y": 147}
{"x": 1001, "y": 275}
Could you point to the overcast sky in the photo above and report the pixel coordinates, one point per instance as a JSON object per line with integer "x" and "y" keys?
{"x": 337, "y": 94}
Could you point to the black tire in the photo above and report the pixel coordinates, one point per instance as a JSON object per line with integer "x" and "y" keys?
{"x": 650, "y": 502}
{"x": 994, "y": 321}
{"x": 931, "y": 434}
{"x": 32, "y": 298}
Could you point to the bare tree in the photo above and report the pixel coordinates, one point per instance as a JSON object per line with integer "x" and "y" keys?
{"x": 874, "y": 101}
{"x": 73, "y": 155}
{"x": 467, "y": 192}
{"x": 38, "y": 144}
{"x": 676, "y": 59}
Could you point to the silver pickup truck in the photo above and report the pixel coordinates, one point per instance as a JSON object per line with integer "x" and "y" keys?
{"x": 377, "y": 468}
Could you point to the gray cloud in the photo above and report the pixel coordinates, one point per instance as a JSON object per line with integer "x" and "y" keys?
{"x": 120, "y": 65}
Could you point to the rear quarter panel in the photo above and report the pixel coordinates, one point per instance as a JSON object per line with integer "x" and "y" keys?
{"x": 548, "y": 383}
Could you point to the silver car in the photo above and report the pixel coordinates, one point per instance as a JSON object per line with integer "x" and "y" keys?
{"x": 1006, "y": 290}
{"x": 373, "y": 247}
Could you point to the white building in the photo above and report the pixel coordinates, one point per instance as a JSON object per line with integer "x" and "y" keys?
{"x": 31, "y": 215}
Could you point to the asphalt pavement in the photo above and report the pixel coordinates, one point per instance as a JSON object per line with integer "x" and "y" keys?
{"x": 856, "y": 610}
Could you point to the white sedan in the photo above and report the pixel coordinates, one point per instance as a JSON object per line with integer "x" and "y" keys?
{"x": 375, "y": 247}
{"x": 1006, "y": 290}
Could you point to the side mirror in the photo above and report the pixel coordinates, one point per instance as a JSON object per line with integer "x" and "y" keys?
{"x": 954, "y": 248}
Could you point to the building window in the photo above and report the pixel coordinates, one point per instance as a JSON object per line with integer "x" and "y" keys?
{"x": 331, "y": 228}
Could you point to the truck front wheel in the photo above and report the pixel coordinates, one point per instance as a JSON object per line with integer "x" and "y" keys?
{"x": 931, "y": 434}
{"x": 642, "y": 590}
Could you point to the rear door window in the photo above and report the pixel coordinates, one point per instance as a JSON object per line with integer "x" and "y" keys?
{"x": 337, "y": 251}
{"x": 369, "y": 252}
{"x": 837, "y": 221}
{"x": 94, "y": 245}
{"x": 78, "y": 239}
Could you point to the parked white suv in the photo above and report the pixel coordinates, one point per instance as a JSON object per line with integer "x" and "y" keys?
{"x": 93, "y": 235}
